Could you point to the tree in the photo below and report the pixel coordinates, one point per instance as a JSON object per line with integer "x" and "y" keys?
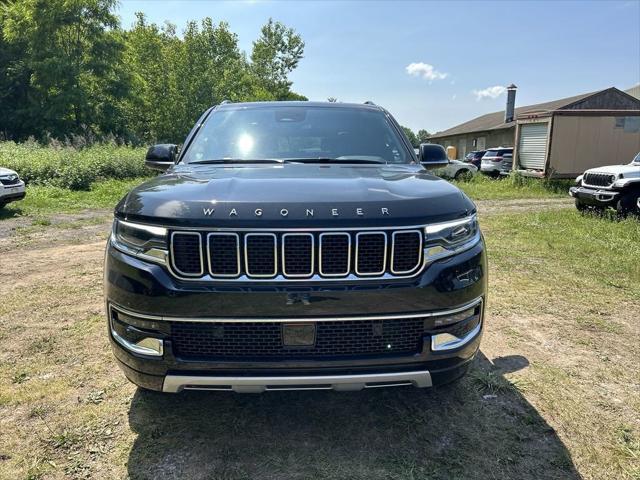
{"x": 411, "y": 136}
{"x": 70, "y": 50}
{"x": 423, "y": 136}
{"x": 275, "y": 54}
{"x": 67, "y": 67}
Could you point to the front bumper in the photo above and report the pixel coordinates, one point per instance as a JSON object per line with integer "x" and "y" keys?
{"x": 154, "y": 299}
{"x": 595, "y": 197}
{"x": 12, "y": 193}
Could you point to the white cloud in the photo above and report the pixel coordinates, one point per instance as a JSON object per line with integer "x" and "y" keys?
{"x": 426, "y": 71}
{"x": 454, "y": 96}
{"x": 489, "y": 92}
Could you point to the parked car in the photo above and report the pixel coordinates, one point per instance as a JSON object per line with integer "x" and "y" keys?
{"x": 615, "y": 186}
{"x": 453, "y": 168}
{"x": 497, "y": 161}
{"x": 11, "y": 187}
{"x": 294, "y": 245}
{"x": 475, "y": 158}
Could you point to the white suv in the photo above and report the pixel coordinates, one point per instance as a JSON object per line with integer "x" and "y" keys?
{"x": 11, "y": 187}
{"x": 497, "y": 161}
{"x": 616, "y": 186}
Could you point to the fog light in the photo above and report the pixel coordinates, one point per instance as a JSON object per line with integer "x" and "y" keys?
{"x": 454, "y": 318}
{"x": 442, "y": 342}
{"x": 135, "y": 340}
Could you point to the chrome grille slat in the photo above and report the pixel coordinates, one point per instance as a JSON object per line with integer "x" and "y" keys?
{"x": 260, "y": 252}
{"x": 298, "y": 255}
{"x": 406, "y": 251}
{"x": 371, "y": 253}
{"x": 184, "y": 260}
{"x": 223, "y": 254}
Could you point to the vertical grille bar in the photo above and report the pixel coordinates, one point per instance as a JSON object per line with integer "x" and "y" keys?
{"x": 260, "y": 255}
{"x": 186, "y": 254}
{"x": 223, "y": 252}
{"x": 335, "y": 254}
{"x": 371, "y": 253}
{"x": 297, "y": 254}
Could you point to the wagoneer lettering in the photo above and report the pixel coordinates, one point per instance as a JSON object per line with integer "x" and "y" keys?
{"x": 294, "y": 245}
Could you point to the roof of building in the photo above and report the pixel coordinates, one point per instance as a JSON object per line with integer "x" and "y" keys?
{"x": 495, "y": 120}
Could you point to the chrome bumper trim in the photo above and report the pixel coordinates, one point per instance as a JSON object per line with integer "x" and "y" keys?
{"x": 177, "y": 383}
{"x": 164, "y": 318}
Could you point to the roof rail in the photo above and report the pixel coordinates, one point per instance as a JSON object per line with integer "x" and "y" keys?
{"x": 369, "y": 102}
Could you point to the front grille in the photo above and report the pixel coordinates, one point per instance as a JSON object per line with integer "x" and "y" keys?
{"x": 371, "y": 252}
{"x": 407, "y": 254}
{"x": 260, "y": 253}
{"x": 263, "y": 340}
{"x": 599, "y": 179}
{"x": 296, "y": 254}
{"x": 13, "y": 181}
{"x": 186, "y": 253}
{"x": 224, "y": 254}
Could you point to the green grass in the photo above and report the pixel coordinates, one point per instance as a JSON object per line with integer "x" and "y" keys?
{"x": 46, "y": 200}
{"x": 70, "y": 167}
{"x": 481, "y": 187}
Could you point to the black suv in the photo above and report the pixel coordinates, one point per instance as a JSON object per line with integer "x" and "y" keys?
{"x": 294, "y": 245}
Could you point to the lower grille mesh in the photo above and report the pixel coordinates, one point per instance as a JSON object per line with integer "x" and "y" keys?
{"x": 208, "y": 341}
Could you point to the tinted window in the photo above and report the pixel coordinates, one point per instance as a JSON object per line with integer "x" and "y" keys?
{"x": 289, "y": 132}
{"x": 493, "y": 153}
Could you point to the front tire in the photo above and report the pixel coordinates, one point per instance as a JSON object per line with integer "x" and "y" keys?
{"x": 464, "y": 174}
{"x": 581, "y": 207}
{"x": 627, "y": 204}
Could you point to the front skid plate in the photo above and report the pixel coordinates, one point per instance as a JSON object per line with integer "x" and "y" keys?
{"x": 176, "y": 383}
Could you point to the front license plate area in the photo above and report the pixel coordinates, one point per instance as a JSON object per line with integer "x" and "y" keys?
{"x": 298, "y": 334}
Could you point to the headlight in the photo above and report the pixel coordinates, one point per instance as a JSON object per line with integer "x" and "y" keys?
{"x": 142, "y": 241}
{"x": 449, "y": 238}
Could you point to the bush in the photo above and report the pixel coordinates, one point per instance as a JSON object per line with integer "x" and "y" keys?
{"x": 70, "y": 167}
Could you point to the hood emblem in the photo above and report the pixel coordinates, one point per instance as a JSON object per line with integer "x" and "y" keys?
{"x": 309, "y": 212}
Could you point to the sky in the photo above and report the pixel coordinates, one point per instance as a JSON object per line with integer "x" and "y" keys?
{"x": 434, "y": 65}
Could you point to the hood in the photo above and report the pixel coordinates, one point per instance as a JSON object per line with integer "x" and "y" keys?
{"x": 630, "y": 170}
{"x": 300, "y": 195}
{"x": 6, "y": 171}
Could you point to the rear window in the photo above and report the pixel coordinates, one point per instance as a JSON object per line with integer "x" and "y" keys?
{"x": 499, "y": 152}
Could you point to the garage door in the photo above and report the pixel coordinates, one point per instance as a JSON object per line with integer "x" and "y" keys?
{"x": 533, "y": 146}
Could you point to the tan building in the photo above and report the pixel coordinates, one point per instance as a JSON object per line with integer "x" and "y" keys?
{"x": 561, "y": 138}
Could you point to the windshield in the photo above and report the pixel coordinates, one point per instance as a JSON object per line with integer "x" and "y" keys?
{"x": 297, "y": 133}
{"x": 636, "y": 159}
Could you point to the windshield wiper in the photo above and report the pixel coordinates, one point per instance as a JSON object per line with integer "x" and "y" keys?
{"x": 332, "y": 160}
{"x": 236, "y": 160}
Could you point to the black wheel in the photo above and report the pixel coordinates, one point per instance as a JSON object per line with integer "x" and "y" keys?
{"x": 627, "y": 203}
{"x": 463, "y": 174}
{"x": 581, "y": 207}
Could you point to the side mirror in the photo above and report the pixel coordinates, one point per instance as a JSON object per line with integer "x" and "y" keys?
{"x": 432, "y": 162}
{"x": 161, "y": 156}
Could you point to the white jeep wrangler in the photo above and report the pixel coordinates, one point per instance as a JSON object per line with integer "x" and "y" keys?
{"x": 616, "y": 186}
